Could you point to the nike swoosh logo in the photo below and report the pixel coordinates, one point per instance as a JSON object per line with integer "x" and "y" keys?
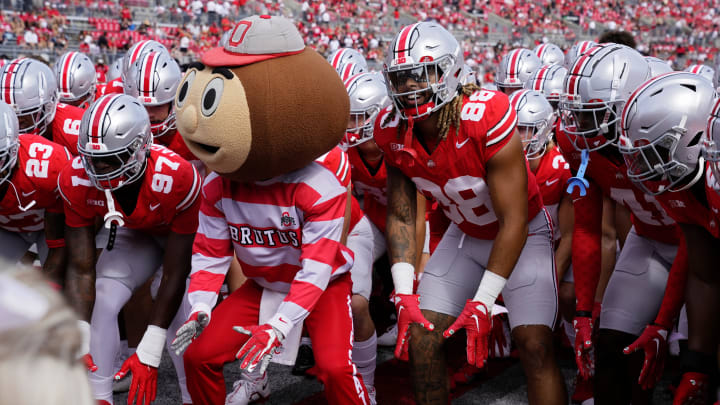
{"x": 477, "y": 321}
{"x": 154, "y": 207}
{"x": 550, "y": 183}
{"x": 461, "y": 144}
{"x": 28, "y": 194}
{"x": 657, "y": 345}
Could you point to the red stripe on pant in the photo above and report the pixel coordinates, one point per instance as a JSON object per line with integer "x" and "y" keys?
{"x": 329, "y": 326}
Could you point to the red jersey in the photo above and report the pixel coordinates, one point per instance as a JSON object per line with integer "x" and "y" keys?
{"x": 167, "y": 201}
{"x": 454, "y": 173}
{"x": 337, "y": 162}
{"x": 33, "y": 185}
{"x": 113, "y": 86}
{"x": 372, "y": 186}
{"x": 174, "y": 141}
{"x": 285, "y": 232}
{"x": 66, "y": 126}
{"x": 552, "y": 176}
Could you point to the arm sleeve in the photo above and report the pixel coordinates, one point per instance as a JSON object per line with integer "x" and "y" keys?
{"x": 212, "y": 251}
{"x": 675, "y": 289}
{"x": 586, "y": 252}
{"x": 186, "y": 220}
{"x": 322, "y": 257}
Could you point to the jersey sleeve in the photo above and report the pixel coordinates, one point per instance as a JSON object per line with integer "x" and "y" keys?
{"x": 501, "y": 120}
{"x": 186, "y": 220}
{"x": 586, "y": 242}
{"x": 212, "y": 248}
{"x": 322, "y": 255}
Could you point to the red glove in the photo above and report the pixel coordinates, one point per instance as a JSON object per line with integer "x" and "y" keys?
{"x": 258, "y": 350}
{"x": 498, "y": 341}
{"x": 144, "y": 380}
{"x": 654, "y": 342}
{"x": 584, "y": 357}
{"x": 694, "y": 389}
{"x": 89, "y": 363}
{"x": 408, "y": 311}
{"x": 477, "y": 323}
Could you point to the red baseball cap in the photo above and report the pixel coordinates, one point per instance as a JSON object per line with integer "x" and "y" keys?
{"x": 255, "y": 39}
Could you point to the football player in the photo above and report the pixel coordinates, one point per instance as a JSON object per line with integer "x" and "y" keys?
{"x": 665, "y": 143}
{"x": 634, "y": 308}
{"x": 147, "y": 196}
{"x": 515, "y": 68}
{"x": 76, "y": 79}
{"x": 458, "y": 145}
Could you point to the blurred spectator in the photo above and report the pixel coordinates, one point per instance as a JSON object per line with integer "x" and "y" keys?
{"x": 618, "y": 37}
{"x": 102, "y": 42}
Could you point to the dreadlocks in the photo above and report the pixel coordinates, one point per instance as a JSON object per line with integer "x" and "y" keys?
{"x": 450, "y": 113}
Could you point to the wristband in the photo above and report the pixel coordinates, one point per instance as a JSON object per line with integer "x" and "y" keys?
{"x": 85, "y": 338}
{"x": 490, "y": 287}
{"x": 55, "y": 243}
{"x": 403, "y": 275}
{"x": 151, "y": 346}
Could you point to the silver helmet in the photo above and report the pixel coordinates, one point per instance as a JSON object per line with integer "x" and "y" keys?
{"x": 704, "y": 71}
{"x": 114, "y": 141}
{"x": 550, "y": 81}
{"x": 30, "y": 88}
{"x": 423, "y": 52}
{"x": 550, "y": 54}
{"x": 596, "y": 89}
{"x": 368, "y": 96}
{"x": 711, "y": 143}
{"x": 75, "y": 74}
{"x": 536, "y": 120}
{"x": 348, "y": 70}
{"x": 344, "y": 56}
{"x": 115, "y": 70}
{"x": 9, "y": 141}
{"x": 468, "y": 75}
{"x": 663, "y": 124}
{"x": 136, "y": 52}
{"x": 657, "y": 66}
{"x": 577, "y": 51}
{"x": 515, "y": 68}
{"x": 153, "y": 79}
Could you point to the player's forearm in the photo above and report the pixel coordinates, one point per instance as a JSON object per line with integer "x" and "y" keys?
{"x": 562, "y": 256}
{"x": 168, "y": 300}
{"x": 55, "y": 265}
{"x": 507, "y": 246}
{"x": 402, "y": 213}
{"x": 674, "y": 296}
{"x": 80, "y": 290}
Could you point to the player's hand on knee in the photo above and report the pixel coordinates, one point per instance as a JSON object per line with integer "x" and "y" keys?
{"x": 189, "y": 331}
{"x": 653, "y": 342}
{"x": 264, "y": 341}
{"x": 143, "y": 383}
{"x": 584, "y": 356}
{"x": 408, "y": 312}
{"x": 476, "y": 319}
{"x": 89, "y": 363}
{"x": 694, "y": 389}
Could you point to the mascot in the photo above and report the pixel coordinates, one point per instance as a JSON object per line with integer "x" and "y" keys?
{"x": 258, "y": 111}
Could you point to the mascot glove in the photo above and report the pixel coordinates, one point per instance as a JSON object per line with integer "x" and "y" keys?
{"x": 408, "y": 311}
{"x": 584, "y": 356}
{"x": 264, "y": 341}
{"x": 144, "y": 380}
{"x": 190, "y": 330}
{"x": 653, "y": 341}
{"x": 694, "y": 389}
{"x": 477, "y": 321}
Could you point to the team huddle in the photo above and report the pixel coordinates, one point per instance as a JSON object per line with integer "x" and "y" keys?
{"x": 491, "y": 201}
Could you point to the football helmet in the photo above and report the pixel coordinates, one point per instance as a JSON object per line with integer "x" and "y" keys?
{"x": 550, "y": 54}
{"x": 348, "y": 70}
{"x": 711, "y": 142}
{"x": 576, "y": 51}
{"x": 136, "y": 52}
{"x": 515, "y": 69}
{"x": 423, "y": 52}
{"x": 368, "y": 96}
{"x": 596, "y": 89}
{"x": 30, "y": 88}
{"x": 550, "y": 81}
{"x": 657, "y": 66}
{"x": 9, "y": 141}
{"x": 75, "y": 74}
{"x": 115, "y": 70}
{"x": 704, "y": 71}
{"x": 153, "y": 79}
{"x": 343, "y": 56}
{"x": 662, "y": 126}
{"x": 536, "y": 120}
{"x": 468, "y": 75}
{"x": 114, "y": 141}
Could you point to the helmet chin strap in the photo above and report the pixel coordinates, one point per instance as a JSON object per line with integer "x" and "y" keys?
{"x": 113, "y": 219}
{"x": 22, "y": 208}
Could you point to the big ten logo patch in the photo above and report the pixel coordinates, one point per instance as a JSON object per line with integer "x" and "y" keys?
{"x": 269, "y": 237}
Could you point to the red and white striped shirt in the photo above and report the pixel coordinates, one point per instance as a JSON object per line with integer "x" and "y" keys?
{"x": 284, "y": 231}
